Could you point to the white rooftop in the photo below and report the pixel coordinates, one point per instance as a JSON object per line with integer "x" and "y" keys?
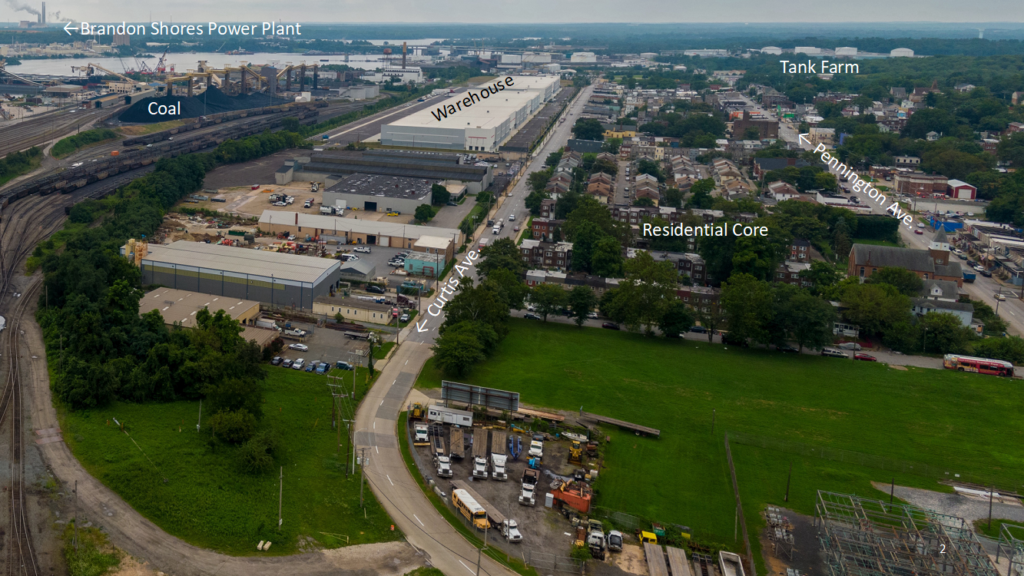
{"x": 487, "y": 113}
{"x": 436, "y": 242}
{"x": 341, "y": 225}
{"x": 242, "y": 260}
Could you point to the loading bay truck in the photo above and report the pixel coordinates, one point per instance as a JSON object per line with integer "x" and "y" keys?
{"x": 480, "y": 454}
{"x": 498, "y": 456}
{"x": 442, "y": 462}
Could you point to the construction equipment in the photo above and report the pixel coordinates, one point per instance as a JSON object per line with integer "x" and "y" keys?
{"x": 90, "y": 70}
{"x": 592, "y": 449}
{"x": 575, "y": 495}
{"x": 576, "y": 453}
{"x": 534, "y": 463}
{"x": 418, "y": 411}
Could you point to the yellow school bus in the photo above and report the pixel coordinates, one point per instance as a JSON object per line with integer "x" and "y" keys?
{"x": 468, "y": 507}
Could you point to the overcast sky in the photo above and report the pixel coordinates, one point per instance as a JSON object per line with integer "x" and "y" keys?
{"x": 528, "y": 11}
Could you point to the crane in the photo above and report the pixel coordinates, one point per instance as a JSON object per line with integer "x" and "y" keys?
{"x": 90, "y": 70}
{"x": 161, "y": 67}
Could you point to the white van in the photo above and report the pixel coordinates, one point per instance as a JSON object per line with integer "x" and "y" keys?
{"x": 834, "y": 353}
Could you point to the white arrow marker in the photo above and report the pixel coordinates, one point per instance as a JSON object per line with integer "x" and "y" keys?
{"x": 68, "y": 29}
{"x": 803, "y": 140}
{"x": 420, "y": 326}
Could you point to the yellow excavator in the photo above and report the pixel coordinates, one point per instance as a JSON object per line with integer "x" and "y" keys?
{"x": 576, "y": 453}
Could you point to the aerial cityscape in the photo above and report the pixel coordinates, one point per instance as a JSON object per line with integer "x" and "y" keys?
{"x": 424, "y": 288}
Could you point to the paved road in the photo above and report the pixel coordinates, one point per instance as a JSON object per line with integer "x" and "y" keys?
{"x": 370, "y": 126}
{"x": 376, "y": 418}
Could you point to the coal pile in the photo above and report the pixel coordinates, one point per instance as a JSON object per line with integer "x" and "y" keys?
{"x": 215, "y": 103}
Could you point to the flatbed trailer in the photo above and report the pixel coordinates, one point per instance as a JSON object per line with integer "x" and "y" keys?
{"x": 499, "y": 442}
{"x": 655, "y": 559}
{"x": 480, "y": 443}
{"x": 621, "y": 424}
{"x": 495, "y": 516}
{"x": 437, "y": 440}
{"x": 456, "y": 443}
{"x": 677, "y": 563}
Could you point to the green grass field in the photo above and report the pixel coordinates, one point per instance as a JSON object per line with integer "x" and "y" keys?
{"x": 205, "y": 500}
{"x": 935, "y": 417}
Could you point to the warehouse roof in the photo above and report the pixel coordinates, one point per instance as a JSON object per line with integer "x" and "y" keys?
{"x": 435, "y": 242}
{"x": 384, "y": 186}
{"x": 411, "y": 165}
{"x": 242, "y": 260}
{"x": 328, "y": 223}
{"x": 181, "y": 306}
{"x": 487, "y": 113}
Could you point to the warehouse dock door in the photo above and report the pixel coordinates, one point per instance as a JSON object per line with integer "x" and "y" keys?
{"x": 371, "y": 239}
{"x": 384, "y": 241}
{"x": 370, "y": 206}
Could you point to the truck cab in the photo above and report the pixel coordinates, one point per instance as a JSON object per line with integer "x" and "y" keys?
{"x": 498, "y": 462}
{"x": 510, "y": 530}
{"x": 480, "y": 468}
{"x": 527, "y": 495}
{"x": 420, "y": 435}
{"x": 444, "y": 466}
{"x": 536, "y": 448}
{"x": 615, "y": 541}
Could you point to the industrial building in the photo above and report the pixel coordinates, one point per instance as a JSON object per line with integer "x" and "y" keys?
{"x": 478, "y": 120}
{"x": 378, "y": 193}
{"x": 263, "y": 276}
{"x": 179, "y": 307}
{"x": 352, "y": 230}
{"x": 329, "y": 168}
{"x": 353, "y": 309}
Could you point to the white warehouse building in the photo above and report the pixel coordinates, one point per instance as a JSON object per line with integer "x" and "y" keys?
{"x": 467, "y": 121}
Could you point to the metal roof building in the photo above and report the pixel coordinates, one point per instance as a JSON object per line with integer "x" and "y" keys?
{"x": 266, "y": 277}
{"x": 352, "y": 230}
{"x": 480, "y": 119}
{"x": 329, "y": 167}
{"x": 379, "y": 193}
{"x": 180, "y": 306}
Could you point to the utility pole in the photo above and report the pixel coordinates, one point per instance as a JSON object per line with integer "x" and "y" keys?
{"x": 786, "y": 499}
{"x": 991, "y": 491}
{"x": 76, "y": 515}
{"x": 362, "y": 476}
{"x": 280, "y": 500}
{"x": 198, "y": 422}
{"x": 892, "y": 490}
{"x": 480, "y": 553}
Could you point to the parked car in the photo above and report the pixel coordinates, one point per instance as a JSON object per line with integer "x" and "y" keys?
{"x": 592, "y": 315}
{"x": 323, "y": 368}
{"x": 865, "y": 357}
{"x": 396, "y": 263}
{"x": 311, "y": 366}
{"x": 920, "y": 224}
{"x": 531, "y": 316}
{"x": 299, "y": 347}
{"x": 1000, "y": 297}
{"x": 516, "y": 229}
{"x": 834, "y": 353}
{"x": 511, "y": 217}
{"x": 375, "y": 290}
{"x": 276, "y": 361}
{"x": 979, "y": 268}
{"x": 298, "y": 365}
{"x": 610, "y": 325}
{"x": 787, "y": 348}
{"x": 287, "y": 363}
{"x": 962, "y": 256}
{"x": 919, "y": 232}
{"x": 985, "y": 273}
{"x": 394, "y": 213}
{"x": 362, "y": 249}
{"x": 698, "y": 329}
{"x": 342, "y": 365}
{"x": 403, "y": 318}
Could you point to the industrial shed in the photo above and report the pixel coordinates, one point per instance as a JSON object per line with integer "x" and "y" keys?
{"x": 352, "y": 230}
{"x": 180, "y": 306}
{"x": 330, "y": 167}
{"x": 266, "y": 277}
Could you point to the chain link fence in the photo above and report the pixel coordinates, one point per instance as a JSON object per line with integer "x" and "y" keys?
{"x": 950, "y": 473}
{"x": 546, "y": 563}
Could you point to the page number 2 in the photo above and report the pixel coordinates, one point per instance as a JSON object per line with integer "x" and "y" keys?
{"x": 942, "y": 548}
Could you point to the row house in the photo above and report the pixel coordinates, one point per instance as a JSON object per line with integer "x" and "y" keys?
{"x": 570, "y": 280}
{"x": 545, "y": 229}
{"x": 781, "y": 191}
{"x": 789, "y": 273}
{"x": 547, "y": 208}
{"x": 700, "y": 298}
{"x": 762, "y": 166}
{"x": 920, "y": 184}
{"x": 688, "y": 264}
{"x": 647, "y": 190}
{"x": 800, "y": 250}
{"x": 601, "y": 192}
{"x": 538, "y": 254}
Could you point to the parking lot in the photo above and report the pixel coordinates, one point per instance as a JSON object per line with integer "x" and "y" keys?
{"x": 326, "y": 345}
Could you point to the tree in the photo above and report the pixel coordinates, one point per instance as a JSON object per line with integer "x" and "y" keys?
{"x": 585, "y": 239}
{"x": 554, "y": 158}
{"x": 508, "y": 284}
{"x": 539, "y": 180}
{"x": 606, "y": 166}
{"x": 673, "y": 198}
{"x": 678, "y": 318}
{"x": 581, "y": 302}
{"x": 439, "y": 195}
{"x": 650, "y": 167}
{"x": 588, "y": 129}
{"x": 424, "y": 213}
{"x": 589, "y": 211}
{"x": 903, "y": 280}
{"x": 812, "y": 320}
{"x": 534, "y": 201}
{"x": 752, "y": 133}
{"x": 606, "y": 260}
{"x": 612, "y": 145}
{"x": 502, "y": 255}
{"x": 1010, "y": 349}
{"x": 711, "y": 317}
{"x": 825, "y": 181}
{"x": 748, "y": 303}
{"x": 874, "y": 307}
{"x": 548, "y": 298}
{"x": 457, "y": 350}
{"x": 944, "y": 334}
{"x": 647, "y": 290}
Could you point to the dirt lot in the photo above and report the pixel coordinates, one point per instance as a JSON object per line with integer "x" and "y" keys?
{"x": 806, "y": 552}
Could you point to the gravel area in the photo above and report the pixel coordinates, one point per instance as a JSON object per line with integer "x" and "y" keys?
{"x": 968, "y": 508}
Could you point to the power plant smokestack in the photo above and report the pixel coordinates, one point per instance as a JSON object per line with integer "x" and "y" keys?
{"x": 42, "y": 14}
{"x": 403, "y": 55}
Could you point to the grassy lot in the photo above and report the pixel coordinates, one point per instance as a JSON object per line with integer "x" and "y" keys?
{"x": 981, "y": 527}
{"x": 85, "y": 139}
{"x": 381, "y": 351}
{"x": 143, "y": 129}
{"x": 205, "y": 499}
{"x": 936, "y": 417}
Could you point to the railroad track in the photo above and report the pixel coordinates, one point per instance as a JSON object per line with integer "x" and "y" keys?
{"x": 37, "y": 131}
